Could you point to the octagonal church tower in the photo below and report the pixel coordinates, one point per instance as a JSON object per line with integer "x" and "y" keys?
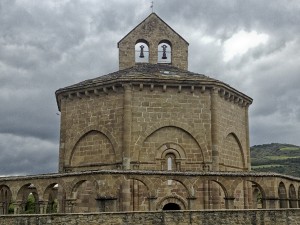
{"x": 153, "y": 114}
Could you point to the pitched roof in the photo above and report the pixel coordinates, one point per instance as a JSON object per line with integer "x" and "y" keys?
{"x": 153, "y": 14}
{"x": 142, "y": 71}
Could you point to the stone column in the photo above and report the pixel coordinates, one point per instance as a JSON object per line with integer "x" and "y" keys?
{"x": 214, "y": 129}
{"x": 271, "y": 203}
{"x": 206, "y": 194}
{"x": 18, "y": 207}
{"x": 247, "y": 138}
{"x": 229, "y": 203}
{"x": 61, "y": 162}
{"x": 135, "y": 195}
{"x": 70, "y": 205}
{"x": 2, "y": 208}
{"x": 126, "y": 196}
{"x": 127, "y": 120}
{"x": 152, "y": 203}
{"x": 191, "y": 203}
{"x": 246, "y": 197}
{"x": 43, "y": 207}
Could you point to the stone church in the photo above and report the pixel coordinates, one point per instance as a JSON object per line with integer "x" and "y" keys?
{"x": 151, "y": 136}
{"x": 153, "y": 114}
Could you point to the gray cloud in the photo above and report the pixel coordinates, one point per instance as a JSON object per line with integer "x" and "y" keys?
{"x": 45, "y": 45}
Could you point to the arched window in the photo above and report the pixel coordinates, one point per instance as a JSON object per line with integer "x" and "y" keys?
{"x": 170, "y": 160}
{"x": 164, "y": 52}
{"x": 141, "y": 51}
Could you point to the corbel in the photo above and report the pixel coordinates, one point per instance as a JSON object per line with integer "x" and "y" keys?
{"x": 87, "y": 94}
{"x": 164, "y": 88}
{"x": 70, "y": 96}
{"x": 179, "y": 88}
{"x": 96, "y": 92}
{"x": 192, "y": 89}
{"x": 114, "y": 88}
{"x": 141, "y": 87}
{"x": 222, "y": 92}
{"x": 151, "y": 87}
{"x": 105, "y": 90}
{"x": 78, "y": 95}
{"x": 202, "y": 89}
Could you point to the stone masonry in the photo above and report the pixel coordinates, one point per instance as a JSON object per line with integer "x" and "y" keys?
{"x": 152, "y": 136}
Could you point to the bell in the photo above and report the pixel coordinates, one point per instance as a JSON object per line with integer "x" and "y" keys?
{"x": 142, "y": 51}
{"x": 164, "y": 55}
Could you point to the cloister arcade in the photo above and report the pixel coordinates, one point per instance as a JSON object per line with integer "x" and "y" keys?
{"x": 111, "y": 191}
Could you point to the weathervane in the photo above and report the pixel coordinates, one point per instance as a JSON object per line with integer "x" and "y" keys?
{"x": 152, "y": 6}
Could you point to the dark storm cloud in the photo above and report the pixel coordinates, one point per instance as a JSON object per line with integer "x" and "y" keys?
{"x": 46, "y": 45}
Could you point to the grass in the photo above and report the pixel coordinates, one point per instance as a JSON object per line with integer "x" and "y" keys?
{"x": 281, "y": 157}
{"x": 290, "y": 149}
{"x": 266, "y": 166}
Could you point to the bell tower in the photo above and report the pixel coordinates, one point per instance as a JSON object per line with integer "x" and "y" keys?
{"x": 153, "y": 41}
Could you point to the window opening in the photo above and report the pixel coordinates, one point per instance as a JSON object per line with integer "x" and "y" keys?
{"x": 141, "y": 52}
{"x": 170, "y": 160}
{"x": 164, "y": 53}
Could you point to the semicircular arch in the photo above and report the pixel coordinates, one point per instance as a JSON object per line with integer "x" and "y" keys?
{"x": 197, "y": 135}
{"x": 240, "y": 147}
{"x": 98, "y": 128}
{"x": 172, "y": 199}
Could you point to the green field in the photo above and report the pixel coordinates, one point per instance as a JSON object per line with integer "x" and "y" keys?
{"x": 276, "y": 157}
{"x": 290, "y": 149}
{"x": 266, "y": 166}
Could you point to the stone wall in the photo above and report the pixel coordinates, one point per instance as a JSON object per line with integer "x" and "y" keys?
{"x": 170, "y": 123}
{"x": 91, "y": 132}
{"x": 230, "y": 217}
{"x": 152, "y": 31}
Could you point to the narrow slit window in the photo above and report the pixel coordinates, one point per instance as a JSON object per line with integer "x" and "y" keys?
{"x": 170, "y": 160}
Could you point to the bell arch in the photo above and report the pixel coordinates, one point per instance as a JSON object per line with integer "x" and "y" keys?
{"x": 142, "y": 53}
{"x": 164, "y": 51}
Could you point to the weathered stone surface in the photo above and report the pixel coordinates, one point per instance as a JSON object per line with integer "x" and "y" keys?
{"x": 229, "y": 217}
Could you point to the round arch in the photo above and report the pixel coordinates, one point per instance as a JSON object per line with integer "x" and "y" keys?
{"x": 258, "y": 195}
{"x": 197, "y": 135}
{"x": 165, "y": 179}
{"x": 292, "y": 197}
{"x": 27, "y": 191}
{"x": 101, "y": 129}
{"x": 84, "y": 136}
{"x": 237, "y": 139}
{"x": 5, "y": 199}
{"x": 174, "y": 200}
{"x": 142, "y": 53}
{"x": 282, "y": 195}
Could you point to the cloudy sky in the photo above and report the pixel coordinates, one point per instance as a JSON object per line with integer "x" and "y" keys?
{"x": 253, "y": 45}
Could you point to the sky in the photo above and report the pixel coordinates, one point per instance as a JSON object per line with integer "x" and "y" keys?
{"x": 253, "y": 45}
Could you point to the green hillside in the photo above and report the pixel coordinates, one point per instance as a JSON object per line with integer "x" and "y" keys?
{"x": 279, "y": 158}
